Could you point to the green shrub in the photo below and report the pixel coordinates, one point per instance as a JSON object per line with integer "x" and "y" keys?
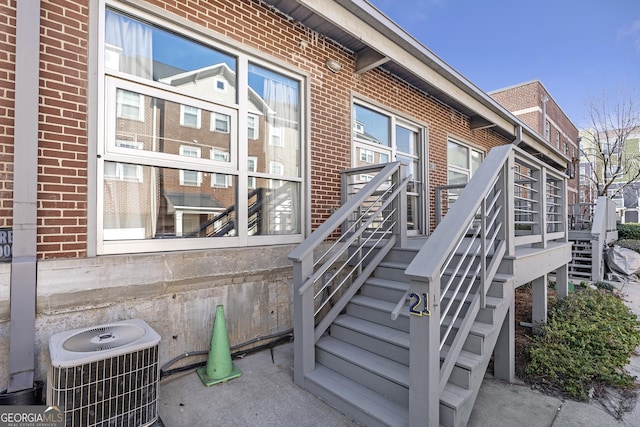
{"x": 603, "y": 285}
{"x": 629, "y": 231}
{"x": 634, "y": 245}
{"x": 587, "y": 341}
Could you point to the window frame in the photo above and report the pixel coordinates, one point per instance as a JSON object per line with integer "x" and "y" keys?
{"x": 360, "y": 143}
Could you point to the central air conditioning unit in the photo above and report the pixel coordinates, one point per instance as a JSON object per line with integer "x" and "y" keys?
{"x": 105, "y": 375}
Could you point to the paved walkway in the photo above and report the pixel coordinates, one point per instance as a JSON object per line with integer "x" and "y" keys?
{"x": 265, "y": 395}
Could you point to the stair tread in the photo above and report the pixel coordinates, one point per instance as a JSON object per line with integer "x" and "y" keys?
{"x": 394, "y": 264}
{"x": 365, "y": 399}
{"x": 376, "y": 303}
{"x": 386, "y": 368}
{"x": 454, "y": 396}
{"x": 385, "y": 333}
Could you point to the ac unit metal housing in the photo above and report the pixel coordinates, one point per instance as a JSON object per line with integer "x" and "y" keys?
{"x": 105, "y": 375}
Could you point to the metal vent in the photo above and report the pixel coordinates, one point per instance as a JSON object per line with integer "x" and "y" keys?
{"x": 103, "y": 338}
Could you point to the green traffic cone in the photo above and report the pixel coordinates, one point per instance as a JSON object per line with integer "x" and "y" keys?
{"x": 219, "y": 367}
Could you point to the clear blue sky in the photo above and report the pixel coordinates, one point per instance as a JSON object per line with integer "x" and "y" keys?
{"x": 576, "y": 48}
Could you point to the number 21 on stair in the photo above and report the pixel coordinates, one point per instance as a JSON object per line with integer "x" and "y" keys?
{"x": 419, "y": 304}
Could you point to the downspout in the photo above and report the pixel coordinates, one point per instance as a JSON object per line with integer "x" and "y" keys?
{"x": 22, "y": 334}
{"x": 518, "y": 136}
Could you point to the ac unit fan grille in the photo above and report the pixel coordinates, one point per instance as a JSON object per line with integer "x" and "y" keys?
{"x": 117, "y": 391}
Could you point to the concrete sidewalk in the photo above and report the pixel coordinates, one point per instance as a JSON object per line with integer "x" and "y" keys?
{"x": 265, "y": 395}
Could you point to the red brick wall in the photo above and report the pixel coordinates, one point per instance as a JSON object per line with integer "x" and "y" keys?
{"x": 62, "y": 163}
{"x": 7, "y": 86}
{"x": 62, "y": 183}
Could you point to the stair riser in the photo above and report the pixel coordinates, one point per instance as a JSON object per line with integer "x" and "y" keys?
{"x": 404, "y": 256}
{"x": 486, "y": 315}
{"x": 473, "y": 343}
{"x": 381, "y": 292}
{"x": 461, "y": 377}
{"x": 377, "y": 316}
{"x": 373, "y": 344}
{"x": 447, "y": 416}
{"x": 390, "y": 273}
{"x": 386, "y": 387}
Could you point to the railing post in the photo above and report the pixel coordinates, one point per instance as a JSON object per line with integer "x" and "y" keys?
{"x": 303, "y": 327}
{"x": 400, "y": 204}
{"x": 507, "y": 184}
{"x": 540, "y": 226}
{"x": 424, "y": 358}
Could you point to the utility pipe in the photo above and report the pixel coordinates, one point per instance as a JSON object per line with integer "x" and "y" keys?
{"x": 22, "y": 334}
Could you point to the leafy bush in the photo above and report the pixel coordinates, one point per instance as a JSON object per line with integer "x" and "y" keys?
{"x": 632, "y": 244}
{"x": 603, "y": 285}
{"x": 629, "y": 231}
{"x": 586, "y": 343}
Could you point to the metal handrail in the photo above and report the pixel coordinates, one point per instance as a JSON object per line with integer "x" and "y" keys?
{"x": 458, "y": 263}
{"x": 336, "y": 259}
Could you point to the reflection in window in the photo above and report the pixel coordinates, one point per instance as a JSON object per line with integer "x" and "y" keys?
{"x": 190, "y": 116}
{"x": 146, "y": 51}
{"x": 366, "y": 156}
{"x": 463, "y": 161}
{"x": 251, "y": 167}
{"x": 188, "y": 177}
{"x": 129, "y": 105}
{"x": 159, "y": 208}
{"x": 276, "y": 97}
{"x": 220, "y": 123}
{"x": 273, "y": 208}
{"x": 375, "y": 126}
{"x": 189, "y": 120}
{"x": 162, "y": 122}
{"x": 124, "y": 171}
{"x": 252, "y": 126}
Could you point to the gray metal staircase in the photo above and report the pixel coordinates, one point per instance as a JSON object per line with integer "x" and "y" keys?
{"x": 395, "y": 333}
{"x": 362, "y": 362}
{"x": 581, "y": 259}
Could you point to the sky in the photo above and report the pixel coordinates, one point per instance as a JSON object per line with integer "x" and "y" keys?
{"x": 578, "y": 49}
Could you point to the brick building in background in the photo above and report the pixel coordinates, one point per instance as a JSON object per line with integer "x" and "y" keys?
{"x": 532, "y": 103}
{"x": 133, "y": 125}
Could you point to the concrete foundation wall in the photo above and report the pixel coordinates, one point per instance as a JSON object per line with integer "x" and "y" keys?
{"x": 175, "y": 293}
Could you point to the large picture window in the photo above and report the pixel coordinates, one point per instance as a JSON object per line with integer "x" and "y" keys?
{"x": 175, "y": 173}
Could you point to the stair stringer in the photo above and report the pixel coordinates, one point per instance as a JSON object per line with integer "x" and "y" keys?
{"x": 464, "y": 409}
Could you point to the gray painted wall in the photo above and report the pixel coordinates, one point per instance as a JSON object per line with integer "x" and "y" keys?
{"x": 175, "y": 293}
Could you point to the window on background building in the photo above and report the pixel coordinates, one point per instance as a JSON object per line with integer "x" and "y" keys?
{"x": 547, "y": 130}
{"x": 380, "y": 136}
{"x": 172, "y": 121}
